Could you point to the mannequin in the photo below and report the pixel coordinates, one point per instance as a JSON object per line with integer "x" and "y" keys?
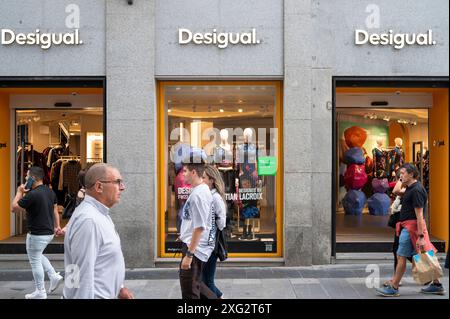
{"x": 223, "y": 155}
{"x": 380, "y": 160}
{"x": 223, "y": 159}
{"x": 247, "y": 157}
{"x": 179, "y": 153}
{"x": 396, "y": 158}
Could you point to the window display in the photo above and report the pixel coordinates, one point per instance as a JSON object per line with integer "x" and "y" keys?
{"x": 366, "y": 179}
{"x": 236, "y": 125}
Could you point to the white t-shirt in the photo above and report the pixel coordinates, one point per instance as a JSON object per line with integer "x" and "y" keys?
{"x": 219, "y": 209}
{"x": 197, "y": 212}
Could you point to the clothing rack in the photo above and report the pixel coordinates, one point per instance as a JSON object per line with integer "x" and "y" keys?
{"x": 94, "y": 160}
{"x": 70, "y": 157}
{"x": 22, "y": 164}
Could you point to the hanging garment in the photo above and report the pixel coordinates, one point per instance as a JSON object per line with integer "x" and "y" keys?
{"x": 368, "y": 163}
{"x": 70, "y": 176}
{"x": 380, "y": 165}
{"x": 223, "y": 157}
{"x": 246, "y": 157}
{"x": 55, "y": 173}
{"x": 396, "y": 161}
{"x": 228, "y": 177}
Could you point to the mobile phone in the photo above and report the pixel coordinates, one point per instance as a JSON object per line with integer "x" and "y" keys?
{"x": 29, "y": 183}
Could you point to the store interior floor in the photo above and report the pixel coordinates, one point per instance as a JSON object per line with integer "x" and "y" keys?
{"x": 364, "y": 228}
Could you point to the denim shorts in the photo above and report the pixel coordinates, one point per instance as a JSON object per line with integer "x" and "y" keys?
{"x": 405, "y": 246}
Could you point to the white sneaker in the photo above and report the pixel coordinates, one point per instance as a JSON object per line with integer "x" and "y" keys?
{"x": 55, "y": 281}
{"x": 37, "y": 294}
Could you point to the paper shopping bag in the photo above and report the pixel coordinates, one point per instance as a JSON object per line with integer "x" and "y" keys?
{"x": 426, "y": 267}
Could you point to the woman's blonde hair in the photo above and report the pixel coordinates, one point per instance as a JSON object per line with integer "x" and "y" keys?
{"x": 214, "y": 174}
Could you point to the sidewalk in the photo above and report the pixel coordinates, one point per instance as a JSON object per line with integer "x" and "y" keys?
{"x": 316, "y": 282}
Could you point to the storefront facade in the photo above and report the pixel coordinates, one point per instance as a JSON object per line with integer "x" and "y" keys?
{"x": 170, "y": 67}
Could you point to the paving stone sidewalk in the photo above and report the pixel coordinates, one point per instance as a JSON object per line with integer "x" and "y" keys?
{"x": 316, "y": 282}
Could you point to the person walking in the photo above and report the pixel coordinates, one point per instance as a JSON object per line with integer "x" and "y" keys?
{"x": 213, "y": 179}
{"x": 197, "y": 231}
{"x": 93, "y": 255}
{"x": 398, "y": 191}
{"x": 412, "y": 231}
{"x": 41, "y": 208}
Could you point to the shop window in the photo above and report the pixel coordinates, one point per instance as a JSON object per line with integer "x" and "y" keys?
{"x": 237, "y": 127}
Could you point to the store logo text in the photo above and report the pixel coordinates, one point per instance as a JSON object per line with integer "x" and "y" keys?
{"x": 221, "y": 40}
{"x": 43, "y": 40}
{"x": 397, "y": 40}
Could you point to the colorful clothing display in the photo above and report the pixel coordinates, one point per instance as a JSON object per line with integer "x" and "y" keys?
{"x": 246, "y": 157}
{"x": 380, "y": 163}
{"x": 396, "y": 160}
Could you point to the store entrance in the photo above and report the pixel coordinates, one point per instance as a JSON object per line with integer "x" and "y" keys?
{"x": 58, "y": 129}
{"x": 377, "y": 129}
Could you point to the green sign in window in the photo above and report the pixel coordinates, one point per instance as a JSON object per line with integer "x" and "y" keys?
{"x": 267, "y": 165}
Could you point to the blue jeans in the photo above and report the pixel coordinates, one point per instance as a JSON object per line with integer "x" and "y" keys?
{"x": 35, "y": 248}
{"x": 208, "y": 273}
{"x": 405, "y": 247}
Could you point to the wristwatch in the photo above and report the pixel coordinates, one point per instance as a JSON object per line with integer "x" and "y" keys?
{"x": 189, "y": 254}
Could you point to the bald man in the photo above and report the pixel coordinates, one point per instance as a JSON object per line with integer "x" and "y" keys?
{"x": 94, "y": 263}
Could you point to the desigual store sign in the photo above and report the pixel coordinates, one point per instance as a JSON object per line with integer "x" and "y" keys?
{"x": 396, "y": 40}
{"x": 220, "y": 39}
{"x": 42, "y": 39}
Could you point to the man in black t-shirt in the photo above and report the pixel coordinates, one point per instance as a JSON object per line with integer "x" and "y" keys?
{"x": 40, "y": 205}
{"x": 413, "y": 229}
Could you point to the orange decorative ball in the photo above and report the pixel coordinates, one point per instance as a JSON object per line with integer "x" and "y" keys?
{"x": 355, "y": 136}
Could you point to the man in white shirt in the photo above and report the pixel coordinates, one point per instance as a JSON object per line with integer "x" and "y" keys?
{"x": 94, "y": 263}
{"x": 196, "y": 235}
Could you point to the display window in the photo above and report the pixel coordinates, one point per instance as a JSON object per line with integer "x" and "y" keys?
{"x": 377, "y": 132}
{"x": 238, "y": 127}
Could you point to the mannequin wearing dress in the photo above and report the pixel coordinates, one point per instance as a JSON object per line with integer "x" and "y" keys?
{"x": 246, "y": 158}
{"x": 380, "y": 163}
{"x": 396, "y": 158}
{"x": 223, "y": 159}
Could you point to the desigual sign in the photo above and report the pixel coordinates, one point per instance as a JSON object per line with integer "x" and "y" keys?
{"x": 43, "y": 40}
{"x": 397, "y": 40}
{"x": 221, "y": 39}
